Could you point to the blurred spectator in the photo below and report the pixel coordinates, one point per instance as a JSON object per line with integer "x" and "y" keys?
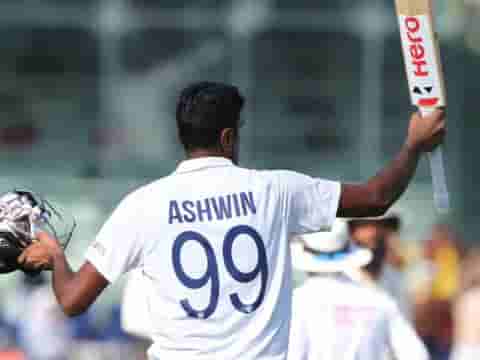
{"x": 443, "y": 250}
{"x": 335, "y": 317}
{"x": 7, "y": 334}
{"x": 388, "y": 227}
{"x": 34, "y": 328}
{"x": 433, "y": 307}
{"x": 381, "y": 236}
{"x": 466, "y": 314}
{"x": 7, "y": 343}
{"x": 44, "y": 333}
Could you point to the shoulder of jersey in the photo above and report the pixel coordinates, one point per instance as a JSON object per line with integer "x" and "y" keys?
{"x": 278, "y": 172}
{"x": 281, "y": 177}
{"x": 143, "y": 191}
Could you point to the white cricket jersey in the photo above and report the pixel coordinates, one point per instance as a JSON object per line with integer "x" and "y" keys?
{"x": 212, "y": 241}
{"x": 135, "y": 317}
{"x": 334, "y": 317}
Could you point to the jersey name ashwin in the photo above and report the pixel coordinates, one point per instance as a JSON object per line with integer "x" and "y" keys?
{"x": 222, "y": 207}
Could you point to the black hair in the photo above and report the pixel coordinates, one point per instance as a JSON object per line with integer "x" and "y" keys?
{"x": 204, "y": 109}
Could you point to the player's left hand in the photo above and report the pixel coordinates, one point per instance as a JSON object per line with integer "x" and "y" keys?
{"x": 40, "y": 254}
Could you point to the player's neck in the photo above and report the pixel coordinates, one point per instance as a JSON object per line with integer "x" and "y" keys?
{"x": 202, "y": 153}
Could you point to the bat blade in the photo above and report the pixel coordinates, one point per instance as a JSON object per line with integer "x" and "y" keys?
{"x": 421, "y": 53}
{"x": 413, "y": 7}
{"x": 423, "y": 67}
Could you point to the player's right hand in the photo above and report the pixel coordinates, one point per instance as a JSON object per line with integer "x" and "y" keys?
{"x": 40, "y": 254}
{"x": 427, "y": 132}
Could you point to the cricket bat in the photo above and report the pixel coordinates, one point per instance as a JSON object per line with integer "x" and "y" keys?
{"x": 421, "y": 55}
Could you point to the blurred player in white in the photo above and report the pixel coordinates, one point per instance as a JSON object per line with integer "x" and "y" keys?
{"x": 335, "y": 317}
{"x": 211, "y": 239}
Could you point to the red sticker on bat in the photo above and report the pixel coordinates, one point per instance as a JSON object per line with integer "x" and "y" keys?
{"x": 428, "y": 102}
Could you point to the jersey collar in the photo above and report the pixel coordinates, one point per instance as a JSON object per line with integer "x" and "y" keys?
{"x": 202, "y": 163}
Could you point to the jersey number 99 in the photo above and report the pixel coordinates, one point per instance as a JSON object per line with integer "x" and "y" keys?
{"x": 211, "y": 273}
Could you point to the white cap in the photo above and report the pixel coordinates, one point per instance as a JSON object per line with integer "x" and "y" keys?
{"x": 328, "y": 251}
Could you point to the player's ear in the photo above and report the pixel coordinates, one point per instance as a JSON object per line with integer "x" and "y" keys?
{"x": 227, "y": 140}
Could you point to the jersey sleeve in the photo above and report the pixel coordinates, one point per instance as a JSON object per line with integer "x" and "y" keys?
{"x": 117, "y": 248}
{"x": 312, "y": 203}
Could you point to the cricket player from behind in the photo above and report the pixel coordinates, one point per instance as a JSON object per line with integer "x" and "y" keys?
{"x": 212, "y": 238}
{"x": 351, "y": 320}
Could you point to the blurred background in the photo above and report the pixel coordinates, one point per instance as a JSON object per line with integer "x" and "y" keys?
{"x": 87, "y": 96}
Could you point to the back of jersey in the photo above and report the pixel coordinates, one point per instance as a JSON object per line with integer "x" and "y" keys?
{"x": 347, "y": 321}
{"x": 213, "y": 245}
{"x": 337, "y": 318}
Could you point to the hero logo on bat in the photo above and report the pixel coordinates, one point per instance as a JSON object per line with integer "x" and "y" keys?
{"x": 420, "y": 66}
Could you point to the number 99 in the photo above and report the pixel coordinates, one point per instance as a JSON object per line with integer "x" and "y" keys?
{"x": 211, "y": 273}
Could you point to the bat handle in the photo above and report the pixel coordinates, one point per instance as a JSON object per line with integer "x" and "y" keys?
{"x": 440, "y": 190}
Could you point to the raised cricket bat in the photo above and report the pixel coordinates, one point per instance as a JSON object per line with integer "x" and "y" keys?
{"x": 425, "y": 77}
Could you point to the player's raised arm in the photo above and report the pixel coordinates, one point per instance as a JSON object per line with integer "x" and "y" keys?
{"x": 374, "y": 197}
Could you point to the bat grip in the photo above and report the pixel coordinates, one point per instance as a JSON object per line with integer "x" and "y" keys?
{"x": 440, "y": 190}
